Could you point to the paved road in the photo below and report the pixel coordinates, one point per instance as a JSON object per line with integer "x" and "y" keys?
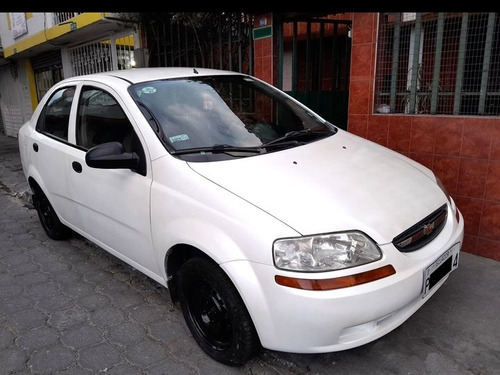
{"x": 71, "y": 308}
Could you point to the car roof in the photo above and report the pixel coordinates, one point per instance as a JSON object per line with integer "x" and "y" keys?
{"x": 137, "y": 75}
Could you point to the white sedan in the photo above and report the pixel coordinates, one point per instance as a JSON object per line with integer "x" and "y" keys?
{"x": 270, "y": 226}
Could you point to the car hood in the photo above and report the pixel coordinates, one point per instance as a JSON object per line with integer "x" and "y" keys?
{"x": 339, "y": 183}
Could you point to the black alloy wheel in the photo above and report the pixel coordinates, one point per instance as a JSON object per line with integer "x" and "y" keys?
{"x": 215, "y": 313}
{"x": 48, "y": 217}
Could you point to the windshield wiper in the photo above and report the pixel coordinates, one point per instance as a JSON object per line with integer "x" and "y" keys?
{"x": 286, "y": 140}
{"x": 290, "y": 137}
{"x": 218, "y": 149}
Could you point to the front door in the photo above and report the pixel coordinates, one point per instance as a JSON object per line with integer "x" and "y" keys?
{"x": 113, "y": 205}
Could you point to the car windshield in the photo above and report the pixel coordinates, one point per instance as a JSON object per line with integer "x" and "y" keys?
{"x": 225, "y": 116}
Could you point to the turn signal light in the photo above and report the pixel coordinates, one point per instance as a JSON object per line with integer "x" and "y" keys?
{"x": 338, "y": 282}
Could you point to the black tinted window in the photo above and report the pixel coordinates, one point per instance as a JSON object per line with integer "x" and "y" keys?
{"x": 54, "y": 119}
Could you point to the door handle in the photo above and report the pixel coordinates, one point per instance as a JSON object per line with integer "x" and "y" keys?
{"x": 77, "y": 167}
{"x": 35, "y": 147}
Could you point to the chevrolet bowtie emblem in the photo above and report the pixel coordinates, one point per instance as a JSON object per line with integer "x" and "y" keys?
{"x": 428, "y": 228}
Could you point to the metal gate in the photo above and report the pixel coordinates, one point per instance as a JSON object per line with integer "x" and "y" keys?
{"x": 313, "y": 64}
{"x": 47, "y": 69}
{"x": 205, "y": 40}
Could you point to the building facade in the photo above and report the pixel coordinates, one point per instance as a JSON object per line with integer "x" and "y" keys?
{"x": 40, "y": 49}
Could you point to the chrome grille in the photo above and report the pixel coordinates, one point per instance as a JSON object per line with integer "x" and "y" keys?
{"x": 420, "y": 234}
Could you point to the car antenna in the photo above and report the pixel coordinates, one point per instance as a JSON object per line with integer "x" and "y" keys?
{"x": 195, "y": 71}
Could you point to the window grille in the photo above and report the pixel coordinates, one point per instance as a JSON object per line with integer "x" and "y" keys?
{"x": 103, "y": 56}
{"x": 438, "y": 63}
{"x": 125, "y": 52}
{"x": 61, "y": 17}
{"x": 46, "y": 78}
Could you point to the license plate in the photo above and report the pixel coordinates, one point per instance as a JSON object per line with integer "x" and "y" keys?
{"x": 442, "y": 266}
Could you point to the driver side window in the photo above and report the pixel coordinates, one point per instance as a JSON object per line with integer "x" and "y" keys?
{"x": 100, "y": 119}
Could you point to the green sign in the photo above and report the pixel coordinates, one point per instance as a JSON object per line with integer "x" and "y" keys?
{"x": 262, "y": 32}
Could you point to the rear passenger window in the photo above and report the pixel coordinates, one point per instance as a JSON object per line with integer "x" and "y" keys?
{"x": 54, "y": 119}
{"x": 100, "y": 119}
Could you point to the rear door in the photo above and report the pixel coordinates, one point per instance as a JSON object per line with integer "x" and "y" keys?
{"x": 49, "y": 148}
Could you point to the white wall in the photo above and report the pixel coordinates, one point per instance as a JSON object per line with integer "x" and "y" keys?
{"x": 15, "y": 101}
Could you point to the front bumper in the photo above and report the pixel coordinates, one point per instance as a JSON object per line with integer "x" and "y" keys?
{"x": 304, "y": 321}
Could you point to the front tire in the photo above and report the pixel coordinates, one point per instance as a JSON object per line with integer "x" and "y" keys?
{"x": 215, "y": 313}
{"x": 48, "y": 217}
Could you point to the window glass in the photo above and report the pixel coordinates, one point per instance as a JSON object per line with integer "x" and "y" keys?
{"x": 221, "y": 110}
{"x": 54, "y": 119}
{"x": 100, "y": 119}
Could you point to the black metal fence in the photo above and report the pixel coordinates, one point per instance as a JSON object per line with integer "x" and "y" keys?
{"x": 207, "y": 40}
{"x": 438, "y": 63}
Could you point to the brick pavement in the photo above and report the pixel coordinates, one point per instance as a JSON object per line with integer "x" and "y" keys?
{"x": 71, "y": 308}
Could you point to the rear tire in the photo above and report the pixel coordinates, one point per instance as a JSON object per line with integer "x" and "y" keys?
{"x": 48, "y": 217}
{"x": 215, "y": 313}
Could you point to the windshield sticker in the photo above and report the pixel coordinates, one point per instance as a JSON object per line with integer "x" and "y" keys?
{"x": 178, "y": 138}
{"x": 148, "y": 90}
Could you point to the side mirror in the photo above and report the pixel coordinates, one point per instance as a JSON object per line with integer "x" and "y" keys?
{"x": 111, "y": 155}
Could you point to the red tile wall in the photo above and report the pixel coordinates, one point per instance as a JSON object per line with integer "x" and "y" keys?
{"x": 265, "y": 52}
{"x": 464, "y": 152}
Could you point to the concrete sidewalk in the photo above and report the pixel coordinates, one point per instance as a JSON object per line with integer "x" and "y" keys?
{"x": 456, "y": 332}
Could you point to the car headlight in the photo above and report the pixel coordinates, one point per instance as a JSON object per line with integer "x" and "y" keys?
{"x": 325, "y": 252}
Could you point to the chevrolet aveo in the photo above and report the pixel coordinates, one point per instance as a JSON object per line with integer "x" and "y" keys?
{"x": 271, "y": 227}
